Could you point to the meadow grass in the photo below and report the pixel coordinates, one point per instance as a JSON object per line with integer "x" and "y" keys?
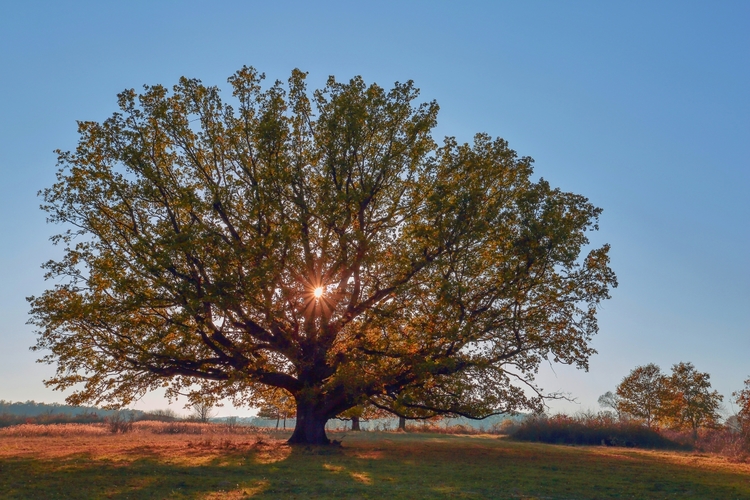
{"x": 229, "y": 464}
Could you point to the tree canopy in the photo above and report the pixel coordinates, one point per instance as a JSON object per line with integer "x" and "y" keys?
{"x": 689, "y": 401}
{"x": 742, "y": 398}
{"x": 321, "y": 243}
{"x": 641, "y": 393}
{"x": 682, "y": 400}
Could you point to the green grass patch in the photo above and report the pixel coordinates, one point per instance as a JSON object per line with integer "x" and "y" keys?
{"x": 368, "y": 465}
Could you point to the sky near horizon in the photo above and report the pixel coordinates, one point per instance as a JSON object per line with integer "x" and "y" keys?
{"x": 643, "y": 107}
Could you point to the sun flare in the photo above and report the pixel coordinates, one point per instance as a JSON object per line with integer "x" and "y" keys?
{"x": 318, "y": 292}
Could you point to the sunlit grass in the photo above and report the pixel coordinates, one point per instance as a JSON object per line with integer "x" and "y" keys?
{"x": 225, "y": 465}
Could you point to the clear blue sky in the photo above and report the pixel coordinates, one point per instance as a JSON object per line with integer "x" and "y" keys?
{"x": 644, "y": 107}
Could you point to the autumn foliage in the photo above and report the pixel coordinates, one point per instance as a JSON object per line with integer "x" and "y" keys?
{"x": 682, "y": 400}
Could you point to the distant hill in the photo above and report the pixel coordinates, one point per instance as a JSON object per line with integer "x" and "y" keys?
{"x": 34, "y": 409}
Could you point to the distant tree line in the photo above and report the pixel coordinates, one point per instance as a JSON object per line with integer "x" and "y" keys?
{"x": 33, "y": 409}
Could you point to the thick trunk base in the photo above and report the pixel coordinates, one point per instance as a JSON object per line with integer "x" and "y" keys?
{"x": 355, "y": 424}
{"x": 310, "y": 429}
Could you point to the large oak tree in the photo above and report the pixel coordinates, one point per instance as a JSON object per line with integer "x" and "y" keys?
{"x": 320, "y": 243}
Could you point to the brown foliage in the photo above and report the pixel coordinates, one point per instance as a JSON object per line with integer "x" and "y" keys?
{"x": 640, "y": 394}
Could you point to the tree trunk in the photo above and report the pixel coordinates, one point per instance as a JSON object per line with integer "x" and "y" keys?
{"x": 355, "y": 423}
{"x": 310, "y": 427}
{"x": 402, "y": 424}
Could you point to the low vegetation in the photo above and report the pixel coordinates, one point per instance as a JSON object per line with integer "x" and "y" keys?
{"x": 592, "y": 429}
{"x": 209, "y": 461}
{"x": 608, "y": 430}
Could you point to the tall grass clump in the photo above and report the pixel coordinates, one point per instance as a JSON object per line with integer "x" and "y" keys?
{"x": 188, "y": 427}
{"x": 591, "y": 429}
{"x": 53, "y": 430}
{"x": 436, "y": 428}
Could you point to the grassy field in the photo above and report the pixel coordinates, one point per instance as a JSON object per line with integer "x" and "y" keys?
{"x": 86, "y": 462}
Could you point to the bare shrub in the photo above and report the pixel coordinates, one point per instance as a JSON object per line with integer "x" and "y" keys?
{"x": 726, "y": 440}
{"x": 723, "y": 442}
{"x": 121, "y": 421}
{"x": 187, "y": 427}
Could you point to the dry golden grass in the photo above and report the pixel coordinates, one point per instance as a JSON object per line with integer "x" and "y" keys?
{"x": 59, "y": 430}
{"x": 200, "y": 443}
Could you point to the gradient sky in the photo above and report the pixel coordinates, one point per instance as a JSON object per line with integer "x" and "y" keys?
{"x": 644, "y": 107}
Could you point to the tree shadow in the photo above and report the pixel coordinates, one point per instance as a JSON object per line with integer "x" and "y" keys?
{"x": 233, "y": 472}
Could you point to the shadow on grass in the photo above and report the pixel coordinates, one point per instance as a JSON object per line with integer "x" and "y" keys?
{"x": 371, "y": 467}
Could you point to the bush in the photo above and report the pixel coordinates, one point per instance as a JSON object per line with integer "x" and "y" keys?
{"x": 167, "y": 415}
{"x": 727, "y": 440}
{"x": 506, "y": 427}
{"x": 591, "y": 429}
{"x": 120, "y": 421}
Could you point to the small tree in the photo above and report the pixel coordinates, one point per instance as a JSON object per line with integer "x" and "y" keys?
{"x": 402, "y": 423}
{"x": 689, "y": 401}
{"x": 277, "y": 404}
{"x": 742, "y": 398}
{"x": 640, "y": 393}
{"x": 611, "y": 401}
{"x": 202, "y": 412}
{"x": 362, "y": 413}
